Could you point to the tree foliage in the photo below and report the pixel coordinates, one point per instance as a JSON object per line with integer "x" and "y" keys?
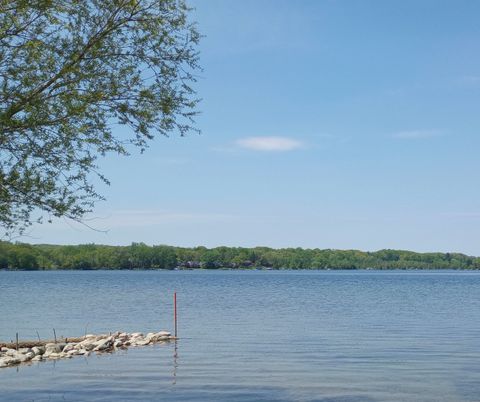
{"x": 71, "y": 72}
{"x": 141, "y": 256}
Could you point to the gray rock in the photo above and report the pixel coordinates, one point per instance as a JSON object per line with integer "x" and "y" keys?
{"x": 142, "y": 342}
{"x": 103, "y": 344}
{"x": 38, "y": 350}
{"x": 12, "y": 360}
{"x": 4, "y": 362}
{"x": 11, "y": 352}
{"x": 53, "y": 348}
{"x": 87, "y": 344}
{"x": 29, "y": 355}
{"x": 68, "y": 347}
{"x": 21, "y": 357}
{"x": 158, "y": 336}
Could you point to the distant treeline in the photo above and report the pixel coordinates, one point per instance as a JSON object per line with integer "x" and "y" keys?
{"x": 141, "y": 256}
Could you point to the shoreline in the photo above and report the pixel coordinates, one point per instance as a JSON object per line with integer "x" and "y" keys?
{"x": 235, "y": 269}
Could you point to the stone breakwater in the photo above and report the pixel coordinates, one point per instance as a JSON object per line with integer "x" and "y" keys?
{"x": 10, "y": 356}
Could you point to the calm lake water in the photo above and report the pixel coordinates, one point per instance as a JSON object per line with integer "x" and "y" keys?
{"x": 251, "y": 336}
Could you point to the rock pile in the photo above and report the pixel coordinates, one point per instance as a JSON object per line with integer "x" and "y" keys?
{"x": 87, "y": 345}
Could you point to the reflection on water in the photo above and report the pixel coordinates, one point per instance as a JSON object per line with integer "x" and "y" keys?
{"x": 248, "y": 336}
{"x": 175, "y": 363}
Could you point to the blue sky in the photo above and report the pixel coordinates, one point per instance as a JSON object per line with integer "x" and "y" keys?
{"x": 330, "y": 124}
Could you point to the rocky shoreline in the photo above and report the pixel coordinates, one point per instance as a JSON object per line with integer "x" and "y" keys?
{"x": 84, "y": 346}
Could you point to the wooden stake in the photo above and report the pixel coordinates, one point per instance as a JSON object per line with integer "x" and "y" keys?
{"x": 16, "y": 336}
{"x": 54, "y": 335}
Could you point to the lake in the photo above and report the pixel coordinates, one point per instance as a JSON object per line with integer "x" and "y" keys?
{"x": 330, "y": 336}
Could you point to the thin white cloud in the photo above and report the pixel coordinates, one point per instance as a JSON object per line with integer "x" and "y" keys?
{"x": 269, "y": 144}
{"x": 416, "y": 134}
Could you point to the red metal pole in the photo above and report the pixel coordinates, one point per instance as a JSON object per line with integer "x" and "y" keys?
{"x": 175, "y": 311}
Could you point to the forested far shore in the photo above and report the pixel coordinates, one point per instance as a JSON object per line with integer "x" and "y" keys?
{"x": 16, "y": 256}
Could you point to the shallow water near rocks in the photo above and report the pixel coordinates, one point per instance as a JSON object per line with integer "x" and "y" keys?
{"x": 251, "y": 335}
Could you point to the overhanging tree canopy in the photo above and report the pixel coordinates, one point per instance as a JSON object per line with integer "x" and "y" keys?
{"x": 70, "y": 72}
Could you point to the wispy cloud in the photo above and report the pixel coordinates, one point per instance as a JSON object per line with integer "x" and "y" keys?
{"x": 416, "y": 134}
{"x": 269, "y": 144}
